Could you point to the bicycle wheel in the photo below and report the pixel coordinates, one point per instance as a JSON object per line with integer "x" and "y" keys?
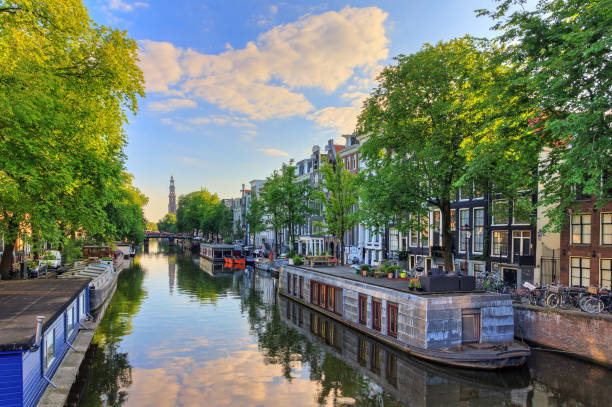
{"x": 565, "y": 301}
{"x": 552, "y": 301}
{"x": 594, "y": 305}
{"x": 582, "y": 302}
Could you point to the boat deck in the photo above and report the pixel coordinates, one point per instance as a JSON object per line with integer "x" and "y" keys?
{"x": 349, "y": 273}
{"x": 23, "y": 300}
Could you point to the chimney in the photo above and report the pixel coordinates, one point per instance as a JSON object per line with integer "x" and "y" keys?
{"x": 39, "y": 327}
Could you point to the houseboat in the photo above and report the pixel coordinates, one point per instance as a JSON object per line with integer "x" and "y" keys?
{"x": 102, "y": 280}
{"x": 465, "y": 329}
{"x": 410, "y": 380}
{"x": 40, "y": 319}
{"x": 126, "y": 248}
{"x": 218, "y": 252}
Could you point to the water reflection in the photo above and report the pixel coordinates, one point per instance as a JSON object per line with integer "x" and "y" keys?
{"x": 176, "y": 335}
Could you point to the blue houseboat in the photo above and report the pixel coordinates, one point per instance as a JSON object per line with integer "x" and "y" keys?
{"x": 39, "y": 320}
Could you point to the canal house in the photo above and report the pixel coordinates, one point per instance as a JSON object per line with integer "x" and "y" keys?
{"x": 468, "y": 329}
{"x": 40, "y": 319}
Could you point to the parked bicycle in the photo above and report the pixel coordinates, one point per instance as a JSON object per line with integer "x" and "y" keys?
{"x": 602, "y": 301}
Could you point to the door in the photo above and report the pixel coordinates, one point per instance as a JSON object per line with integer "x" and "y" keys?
{"x": 509, "y": 275}
{"x": 470, "y": 326}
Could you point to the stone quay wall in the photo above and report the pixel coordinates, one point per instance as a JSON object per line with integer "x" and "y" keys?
{"x": 584, "y": 335}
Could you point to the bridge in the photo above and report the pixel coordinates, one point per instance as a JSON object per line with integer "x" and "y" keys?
{"x": 167, "y": 235}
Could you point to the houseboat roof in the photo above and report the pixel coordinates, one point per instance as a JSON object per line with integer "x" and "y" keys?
{"x": 349, "y": 273}
{"x": 22, "y": 301}
{"x": 221, "y": 246}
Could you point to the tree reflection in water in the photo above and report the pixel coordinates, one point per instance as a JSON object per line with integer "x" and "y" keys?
{"x": 113, "y": 373}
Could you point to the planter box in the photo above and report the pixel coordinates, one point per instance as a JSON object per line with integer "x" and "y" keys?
{"x": 467, "y": 283}
{"x": 440, "y": 284}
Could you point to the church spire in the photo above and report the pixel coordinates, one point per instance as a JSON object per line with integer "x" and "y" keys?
{"x": 172, "y": 197}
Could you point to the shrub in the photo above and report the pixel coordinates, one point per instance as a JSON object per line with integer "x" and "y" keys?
{"x": 418, "y": 284}
{"x": 411, "y": 284}
{"x": 298, "y": 261}
{"x": 364, "y": 267}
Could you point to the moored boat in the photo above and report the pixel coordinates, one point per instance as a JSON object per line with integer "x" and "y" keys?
{"x": 465, "y": 329}
{"x": 103, "y": 279}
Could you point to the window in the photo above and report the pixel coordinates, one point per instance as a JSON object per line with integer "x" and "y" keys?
{"x": 464, "y": 219}
{"x": 520, "y": 211}
{"x": 425, "y": 230}
{"x": 326, "y": 296}
{"x": 301, "y": 287}
{"x": 580, "y": 271}
{"x": 414, "y": 236}
{"x": 470, "y": 326}
{"x": 289, "y": 279}
{"x": 392, "y": 320}
{"x": 393, "y": 240}
{"x": 499, "y": 215}
{"x": 581, "y": 229}
{"x": 465, "y": 191}
{"x": 478, "y": 193}
{"x": 361, "y": 356}
{"x": 478, "y": 269}
{"x": 363, "y": 309}
{"x": 521, "y": 243}
{"x": 391, "y": 368}
{"x": 70, "y": 320}
{"x": 478, "y": 232}
{"x": 374, "y": 358}
{"x": 49, "y": 348}
{"x": 376, "y": 306}
{"x": 500, "y": 243}
{"x": 453, "y": 220}
{"x": 436, "y": 229}
{"x": 82, "y": 306}
{"x": 294, "y": 285}
{"x": 606, "y": 228}
{"x": 605, "y": 273}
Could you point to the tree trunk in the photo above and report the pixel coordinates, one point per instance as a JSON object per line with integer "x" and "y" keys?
{"x": 447, "y": 235}
{"x": 7, "y": 259}
{"x": 342, "y": 250}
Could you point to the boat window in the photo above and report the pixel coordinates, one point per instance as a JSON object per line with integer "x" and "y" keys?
{"x": 301, "y": 287}
{"x": 49, "y": 348}
{"x": 392, "y": 320}
{"x": 70, "y": 321}
{"x": 376, "y": 306}
{"x": 363, "y": 309}
{"x": 294, "y": 285}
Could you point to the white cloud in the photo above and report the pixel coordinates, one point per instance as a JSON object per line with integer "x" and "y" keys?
{"x": 273, "y": 152}
{"x": 159, "y": 63}
{"x": 223, "y": 120}
{"x": 125, "y": 6}
{"x": 168, "y": 105}
{"x": 190, "y": 161}
{"x": 260, "y": 80}
{"x": 176, "y": 124}
{"x": 343, "y": 119}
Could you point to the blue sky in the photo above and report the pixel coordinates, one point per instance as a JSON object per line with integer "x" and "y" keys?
{"x": 235, "y": 88}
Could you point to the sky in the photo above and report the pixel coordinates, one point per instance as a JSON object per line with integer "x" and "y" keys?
{"x": 235, "y": 88}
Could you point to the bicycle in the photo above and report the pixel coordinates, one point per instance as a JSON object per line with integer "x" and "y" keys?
{"x": 599, "y": 302}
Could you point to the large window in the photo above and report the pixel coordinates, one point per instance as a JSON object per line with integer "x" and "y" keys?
{"x": 376, "y": 306}
{"x": 499, "y": 246}
{"x": 70, "y": 320}
{"x": 363, "y": 309}
{"x": 453, "y": 220}
{"x": 606, "y": 228}
{"x": 465, "y": 191}
{"x": 499, "y": 213}
{"x": 464, "y": 219}
{"x": 521, "y": 243}
{"x": 478, "y": 232}
{"x": 581, "y": 229}
{"x": 326, "y": 296}
{"x": 392, "y": 320}
{"x": 436, "y": 229}
{"x": 414, "y": 236}
{"x": 294, "y": 285}
{"x": 301, "y": 287}
{"x": 425, "y": 230}
{"x": 580, "y": 271}
{"x": 478, "y": 269}
{"x": 49, "y": 348}
{"x": 520, "y": 211}
{"x": 289, "y": 280}
{"x": 605, "y": 273}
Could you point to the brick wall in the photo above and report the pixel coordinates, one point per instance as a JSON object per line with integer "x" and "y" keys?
{"x": 589, "y": 336}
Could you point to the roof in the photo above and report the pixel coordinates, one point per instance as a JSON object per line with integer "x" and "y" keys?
{"x": 21, "y": 301}
{"x": 338, "y": 147}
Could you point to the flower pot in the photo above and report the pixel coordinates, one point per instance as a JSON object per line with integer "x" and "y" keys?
{"x": 364, "y": 273}
{"x": 402, "y": 275}
{"x": 419, "y": 288}
{"x": 390, "y": 275}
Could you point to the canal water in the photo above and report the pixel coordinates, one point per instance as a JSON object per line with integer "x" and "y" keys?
{"x": 176, "y": 334}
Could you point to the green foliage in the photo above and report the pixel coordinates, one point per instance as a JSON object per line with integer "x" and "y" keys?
{"x": 203, "y": 211}
{"x": 125, "y": 214}
{"x": 167, "y": 223}
{"x": 255, "y": 214}
{"x": 298, "y": 261}
{"x": 339, "y": 197}
{"x": 152, "y": 226}
{"x": 411, "y": 284}
{"x": 418, "y": 284}
{"x": 365, "y": 267}
{"x": 562, "y": 51}
{"x": 65, "y": 84}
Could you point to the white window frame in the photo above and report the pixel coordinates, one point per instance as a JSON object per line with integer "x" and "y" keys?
{"x": 493, "y": 242}
{"x": 432, "y": 223}
{"x": 49, "y": 337}
{"x": 462, "y": 198}
{"x": 484, "y": 268}
{"x": 474, "y": 229}
{"x": 582, "y": 236}
{"x": 514, "y": 222}
{"x": 81, "y": 305}
{"x": 601, "y": 228}
{"x": 460, "y": 225}
{"x": 70, "y": 313}
{"x": 493, "y": 220}
{"x": 609, "y": 285}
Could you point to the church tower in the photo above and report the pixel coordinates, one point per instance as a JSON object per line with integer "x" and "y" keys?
{"x": 172, "y": 198}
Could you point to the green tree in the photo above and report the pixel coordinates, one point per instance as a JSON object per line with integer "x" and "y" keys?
{"x": 254, "y": 216}
{"x": 167, "y": 223}
{"x": 152, "y": 226}
{"x": 339, "y": 196}
{"x": 297, "y": 197}
{"x": 194, "y": 211}
{"x": 64, "y": 85}
{"x": 273, "y": 203}
{"x": 562, "y": 51}
{"x": 423, "y": 121}
{"x": 125, "y": 214}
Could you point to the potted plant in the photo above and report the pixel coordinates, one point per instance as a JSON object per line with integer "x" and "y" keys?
{"x": 403, "y": 274}
{"x": 411, "y": 285}
{"x": 364, "y": 269}
{"x": 418, "y": 286}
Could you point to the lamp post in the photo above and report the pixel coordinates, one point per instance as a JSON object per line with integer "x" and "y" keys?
{"x": 468, "y": 233}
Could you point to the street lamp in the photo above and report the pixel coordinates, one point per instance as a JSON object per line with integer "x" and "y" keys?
{"x": 468, "y": 233}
